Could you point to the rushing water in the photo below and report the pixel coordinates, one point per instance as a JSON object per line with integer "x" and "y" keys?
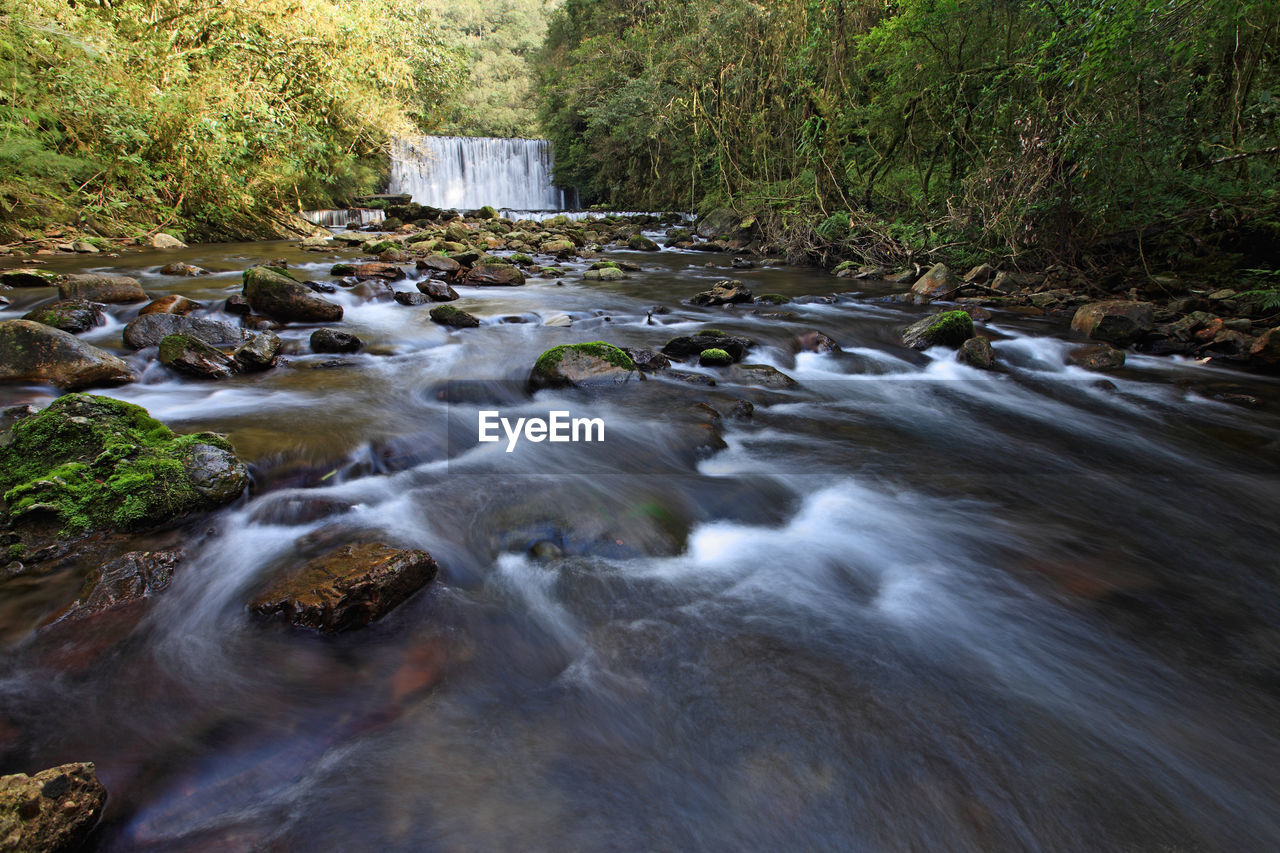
{"x": 912, "y": 606}
{"x": 468, "y": 172}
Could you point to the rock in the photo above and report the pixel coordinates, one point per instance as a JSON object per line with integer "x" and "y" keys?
{"x": 950, "y": 328}
{"x": 938, "y": 284}
{"x": 742, "y": 264}
{"x": 260, "y": 352}
{"x": 438, "y": 291}
{"x": 51, "y": 812}
{"x": 193, "y": 357}
{"x": 148, "y": 330}
{"x": 179, "y": 268}
{"x": 166, "y": 241}
{"x": 102, "y": 288}
{"x": 692, "y": 346}
{"x": 815, "y": 341}
{"x": 560, "y": 248}
{"x": 332, "y": 340}
{"x": 500, "y": 274}
{"x": 36, "y": 353}
{"x": 762, "y": 375}
{"x": 321, "y": 287}
{"x": 84, "y": 247}
{"x": 726, "y": 292}
{"x": 280, "y": 297}
{"x": 69, "y": 315}
{"x": 447, "y": 315}
{"x": 346, "y": 588}
{"x": 237, "y": 304}
{"x": 29, "y": 277}
{"x": 718, "y": 223}
{"x": 980, "y": 274}
{"x": 772, "y": 299}
{"x": 172, "y": 304}
{"x": 977, "y": 352}
{"x": 383, "y": 271}
{"x": 439, "y": 263}
{"x": 456, "y": 232}
{"x": 409, "y": 297}
{"x": 94, "y": 463}
{"x": 121, "y": 581}
{"x": 714, "y": 357}
{"x": 393, "y": 256}
{"x": 647, "y": 361}
{"x": 742, "y": 409}
{"x": 486, "y": 212}
{"x": 577, "y": 365}
{"x": 1115, "y": 321}
{"x": 641, "y": 243}
{"x": 1102, "y": 357}
{"x": 604, "y": 274}
{"x": 316, "y": 241}
{"x": 1266, "y": 349}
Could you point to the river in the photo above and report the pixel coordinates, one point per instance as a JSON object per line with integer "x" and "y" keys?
{"x": 910, "y": 606}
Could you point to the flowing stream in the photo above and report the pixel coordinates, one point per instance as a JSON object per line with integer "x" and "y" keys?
{"x": 911, "y": 606}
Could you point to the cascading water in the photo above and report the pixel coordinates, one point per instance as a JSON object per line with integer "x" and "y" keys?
{"x": 467, "y": 172}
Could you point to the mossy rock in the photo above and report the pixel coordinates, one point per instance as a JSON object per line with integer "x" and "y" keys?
{"x": 279, "y": 296}
{"x": 714, "y": 358}
{"x": 521, "y": 260}
{"x": 772, "y": 299}
{"x": 448, "y": 315}
{"x": 487, "y": 212}
{"x": 950, "y": 328}
{"x": 94, "y": 463}
{"x": 70, "y": 315}
{"x": 591, "y": 363}
{"x": 377, "y": 247}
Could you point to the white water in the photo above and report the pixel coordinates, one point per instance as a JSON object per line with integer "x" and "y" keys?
{"x": 468, "y": 172}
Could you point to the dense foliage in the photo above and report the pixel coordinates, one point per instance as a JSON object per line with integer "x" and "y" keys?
{"x": 205, "y": 113}
{"x": 499, "y": 41}
{"x": 1026, "y": 128}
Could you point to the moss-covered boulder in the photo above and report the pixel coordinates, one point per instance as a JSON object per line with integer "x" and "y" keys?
{"x": 36, "y": 353}
{"x": 950, "y": 329}
{"x": 447, "y": 315}
{"x": 714, "y": 357}
{"x": 772, "y": 299}
{"x": 191, "y": 356}
{"x": 70, "y": 315}
{"x": 692, "y": 346}
{"x": 641, "y": 243}
{"x": 93, "y": 463}
{"x": 575, "y": 365}
{"x": 604, "y": 274}
{"x": 727, "y": 292}
{"x": 978, "y": 352}
{"x": 279, "y": 296}
{"x": 491, "y": 273}
{"x": 51, "y": 811}
{"x": 149, "y": 329}
{"x": 29, "y": 277}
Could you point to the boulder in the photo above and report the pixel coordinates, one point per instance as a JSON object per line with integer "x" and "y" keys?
{"x": 648, "y": 361}
{"x": 260, "y": 352}
{"x": 1266, "y": 349}
{"x": 1116, "y": 321}
{"x": 772, "y": 299}
{"x": 148, "y": 330}
{"x": 815, "y": 341}
{"x": 456, "y": 232}
{"x": 193, "y": 357}
{"x": 53, "y": 811}
{"x": 939, "y": 283}
{"x": 977, "y": 352}
{"x": 559, "y": 248}
{"x": 501, "y": 274}
{"x": 693, "y": 346}
{"x": 237, "y": 304}
{"x": 166, "y": 241}
{"x": 438, "y": 291}
{"x": 980, "y": 274}
{"x": 94, "y": 463}
{"x": 1100, "y": 358}
{"x": 604, "y": 274}
{"x": 69, "y": 315}
{"x": 34, "y": 352}
{"x": 763, "y": 375}
{"x": 29, "y": 277}
{"x": 102, "y": 288}
{"x": 718, "y": 223}
{"x": 280, "y": 297}
{"x": 171, "y": 304}
{"x": 950, "y": 328}
{"x": 586, "y": 364}
{"x": 385, "y": 271}
{"x": 122, "y": 581}
{"x": 447, "y": 315}
{"x": 641, "y": 243}
{"x": 409, "y": 297}
{"x": 439, "y": 263}
{"x": 348, "y": 587}
{"x": 726, "y": 292}
{"x": 334, "y": 341}
{"x": 179, "y": 268}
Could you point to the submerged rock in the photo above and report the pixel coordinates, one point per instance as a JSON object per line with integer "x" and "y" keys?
{"x": 728, "y": 292}
{"x": 1102, "y": 357}
{"x": 586, "y": 364}
{"x": 950, "y": 328}
{"x": 280, "y": 297}
{"x": 348, "y": 587}
{"x": 70, "y": 315}
{"x": 34, "y": 352}
{"x": 179, "y": 268}
{"x": 763, "y": 375}
{"x": 693, "y": 345}
{"x": 447, "y": 315}
{"x": 149, "y": 329}
{"x": 52, "y": 811}
{"x": 122, "y": 581}
{"x": 815, "y": 341}
{"x": 102, "y": 288}
{"x": 94, "y": 463}
{"x": 334, "y": 341}
{"x": 1115, "y": 321}
{"x": 977, "y": 352}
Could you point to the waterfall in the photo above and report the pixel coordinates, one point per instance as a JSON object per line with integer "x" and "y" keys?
{"x": 467, "y": 172}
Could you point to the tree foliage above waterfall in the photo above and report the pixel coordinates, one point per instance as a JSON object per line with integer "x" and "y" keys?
{"x": 206, "y": 111}
{"x": 499, "y": 40}
{"x": 1020, "y": 126}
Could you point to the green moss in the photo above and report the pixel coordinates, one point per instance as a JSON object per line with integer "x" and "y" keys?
{"x": 843, "y": 265}
{"x": 521, "y": 259}
{"x": 599, "y": 265}
{"x": 443, "y": 312}
{"x": 950, "y": 324}
{"x": 98, "y": 463}
{"x": 16, "y": 551}
{"x": 548, "y": 361}
{"x": 342, "y": 269}
{"x": 712, "y": 333}
{"x": 773, "y": 298}
{"x": 714, "y": 358}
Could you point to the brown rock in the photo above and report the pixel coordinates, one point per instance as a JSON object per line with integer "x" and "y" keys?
{"x": 939, "y": 283}
{"x": 1116, "y": 321}
{"x": 1099, "y": 358}
{"x": 102, "y": 288}
{"x": 34, "y": 352}
{"x": 505, "y": 275}
{"x": 52, "y": 811}
{"x": 439, "y": 263}
{"x": 383, "y": 271}
{"x": 727, "y": 292}
{"x": 348, "y": 587}
{"x": 171, "y": 304}
{"x": 121, "y": 581}
{"x": 438, "y": 291}
{"x": 193, "y": 357}
{"x": 815, "y": 341}
{"x": 179, "y": 268}
{"x": 977, "y": 352}
{"x": 1266, "y": 349}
